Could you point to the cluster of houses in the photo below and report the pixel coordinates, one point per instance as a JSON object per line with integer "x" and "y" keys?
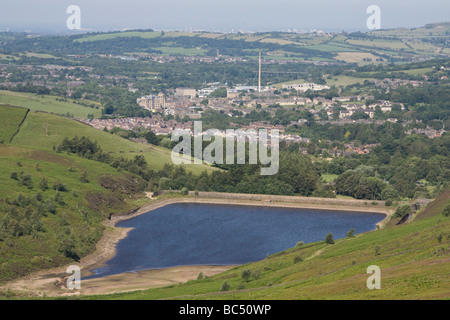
{"x": 189, "y": 102}
{"x": 156, "y": 123}
{"x": 428, "y": 131}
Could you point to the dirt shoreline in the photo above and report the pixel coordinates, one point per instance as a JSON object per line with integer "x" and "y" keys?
{"x": 52, "y": 282}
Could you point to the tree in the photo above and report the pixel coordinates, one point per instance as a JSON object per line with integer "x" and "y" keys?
{"x": 151, "y": 138}
{"x": 402, "y": 210}
{"x": 219, "y": 93}
{"x": 351, "y": 233}
{"x": 329, "y": 238}
{"x": 389, "y": 193}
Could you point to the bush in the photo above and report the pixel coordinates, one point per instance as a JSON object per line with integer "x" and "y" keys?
{"x": 240, "y": 286}
{"x": 43, "y": 185}
{"x": 388, "y": 203}
{"x": 402, "y": 210}
{"x": 83, "y": 178}
{"x": 446, "y": 211}
{"x": 329, "y": 238}
{"x": 351, "y": 233}
{"x": 225, "y": 286}
{"x": 246, "y": 274}
{"x": 256, "y": 274}
{"x": 59, "y": 186}
{"x": 298, "y": 259}
{"x": 299, "y": 244}
{"x": 26, "y": 181}
{"x": 184, "y": 191}
{"x": 14, "y": 175}
{"x": 50, "y": 206}
{"x": 377, "y": 250}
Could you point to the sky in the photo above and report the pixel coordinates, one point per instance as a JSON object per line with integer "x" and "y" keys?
{"x": 222, "y": 16}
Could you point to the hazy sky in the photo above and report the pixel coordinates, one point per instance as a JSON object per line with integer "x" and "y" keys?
{"x": 227, "y": 15}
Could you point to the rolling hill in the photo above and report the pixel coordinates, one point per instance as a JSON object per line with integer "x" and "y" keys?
{"x": 52, "y": 204}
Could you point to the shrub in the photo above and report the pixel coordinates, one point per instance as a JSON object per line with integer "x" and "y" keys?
{"x": 298, "y": 259}
{"x": 377, "y": 250}
{"x": 256, "y": 274}
{"x": 184, "y": 191}
{"x": 388, "y": 203}
{"x": 200, "y": 276}
{"x": 26, "y": 181}
{"x": 43, "y": 185}
{"x": 299, "y": 244}
{"x": 402, "y": 210}
{"x": 225, "y": 286}
{"x": 329, "y": 238}
{"x": 446, "y": 211}
{"x": 246, "y": 274}
{"x": 240, "y": 286}
{"x": 83, "y": 178}
{"x": 351, "y": 233}
{"x": 14, "y": 175}
{"x": 50, "y": 206}
{"x": 59, "y": 186}
{"x": 59, "y": 198}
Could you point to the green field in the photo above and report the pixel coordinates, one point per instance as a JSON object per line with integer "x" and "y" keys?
{"x": 43, "y": 131}
{"x": 329, "y": 177}
{"x": 109, "y": 36}
{"x": 47, "y": 103}
{"x": 181, "y": 51}
{"x": 414, "y": 265}
{"x": 10, "y": 118}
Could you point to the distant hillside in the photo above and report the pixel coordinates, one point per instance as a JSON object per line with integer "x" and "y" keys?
{"x": 393, "y": 45}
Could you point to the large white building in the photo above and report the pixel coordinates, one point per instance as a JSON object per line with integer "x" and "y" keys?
{"x": 152, "y": 102}
{"x": 302, "y": 87}
{"x": 186, "y": 92}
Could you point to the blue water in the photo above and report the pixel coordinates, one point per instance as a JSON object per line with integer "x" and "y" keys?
{"x": 208, "y": 234}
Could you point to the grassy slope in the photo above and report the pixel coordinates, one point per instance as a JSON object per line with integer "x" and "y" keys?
{"x": 414, "y": 265}
{"x": 46, "y": 103}
{"x": 31, "y": 153}
{"x": 78, "y": 217}
{"x": 43, "y": 131}
{"x": 10, "y": 118}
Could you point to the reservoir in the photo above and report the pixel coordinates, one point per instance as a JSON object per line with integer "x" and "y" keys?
{"x": 210, "y": 234}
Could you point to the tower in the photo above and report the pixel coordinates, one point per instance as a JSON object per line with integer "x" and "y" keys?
{"x": 259, "y": 76}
